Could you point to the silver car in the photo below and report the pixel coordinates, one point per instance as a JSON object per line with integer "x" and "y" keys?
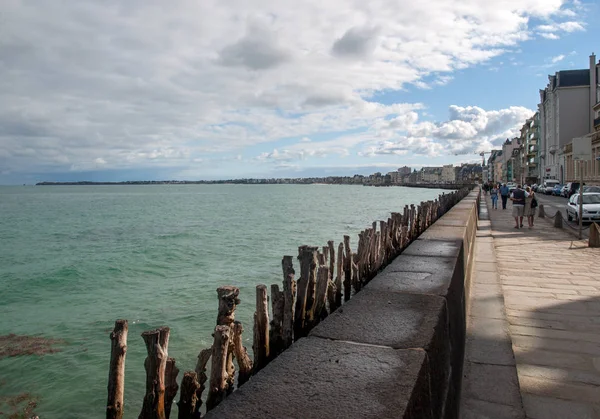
{"x": 591, "y": 207}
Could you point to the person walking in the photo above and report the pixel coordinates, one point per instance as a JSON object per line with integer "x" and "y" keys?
{"x": 530, "y": 206}
{"x": 504, "y": 194}
{"x": 518, "y": 198}
{"x": 494, "y": 196}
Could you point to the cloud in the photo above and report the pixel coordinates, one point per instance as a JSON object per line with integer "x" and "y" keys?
{"x": 356, "y": 43}
{"x": 558, "y": 58}
{"x": 126, "y": 85}
{"x": 468, "y": 130}
{"x": 549, "y": 31}
{"x": 258, "y": 50}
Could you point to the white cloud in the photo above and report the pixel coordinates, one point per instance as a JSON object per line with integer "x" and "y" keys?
{"x": 468, "y": 130}
{"x": 549, "y": 31}
{"x": 151, "y": 84}
{"x": 549, "y": 35}
{"x": 558, "y": 58}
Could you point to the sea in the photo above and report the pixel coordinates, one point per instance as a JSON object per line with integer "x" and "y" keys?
{"x": 73, "y": 259}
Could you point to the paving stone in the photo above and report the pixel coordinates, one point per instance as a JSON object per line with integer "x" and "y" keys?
{"x": 492, "y": 383}
{"x": 550, "y": 408}
{"x": 441, "y": 248}
{"x": 479, "y": 409}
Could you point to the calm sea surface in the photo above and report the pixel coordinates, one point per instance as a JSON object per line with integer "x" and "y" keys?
{"x": 73, "y": 259}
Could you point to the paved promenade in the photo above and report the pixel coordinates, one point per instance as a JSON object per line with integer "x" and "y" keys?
{"x": 533, "y": 348}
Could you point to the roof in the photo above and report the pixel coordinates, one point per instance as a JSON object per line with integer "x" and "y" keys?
{"x": 571, "y": 78}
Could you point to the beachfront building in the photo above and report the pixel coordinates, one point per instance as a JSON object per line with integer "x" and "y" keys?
{"x": 448, "y": 174}
{"x": 565, "y": 112}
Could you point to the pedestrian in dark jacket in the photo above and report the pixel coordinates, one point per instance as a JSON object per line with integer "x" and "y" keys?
{"x": 504, "y": 194}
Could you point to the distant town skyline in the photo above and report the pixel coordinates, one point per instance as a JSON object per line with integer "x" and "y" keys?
{"x": 212, "y": 90}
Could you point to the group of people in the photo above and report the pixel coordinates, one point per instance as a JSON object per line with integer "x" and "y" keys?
{"x": 524, "y": 201}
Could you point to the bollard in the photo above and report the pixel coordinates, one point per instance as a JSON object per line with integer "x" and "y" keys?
{"x": 594, "y": 240}
{"x": 541, "y": 213}
{"x": 558, "y": 221}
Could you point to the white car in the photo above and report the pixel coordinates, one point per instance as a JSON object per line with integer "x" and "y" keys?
{"x": 591, "y": 207}
{"x": 511, "y": 186}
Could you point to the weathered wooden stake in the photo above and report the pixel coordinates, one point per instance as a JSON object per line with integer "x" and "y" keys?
{"x": 308, "y": 263}
{"x": 339, "y": 275}
{"x": 331, "y": 247}
{"x": 218, "y": 375}
{"x": 171, "y": 387}
{"x": 260, "y": 346}
{"x": 157, "y": 344}
{"x": 116, "y": 372}
{"x": 243, "y": 360}
{"x": 289, "y": 295}
{"x": 276, "y": 331}
{"x": 228, "y": 301}
{"x": 347, "y": 269}
{"x": 203, "y": 358}
{"x": 320, "y": 296}
{"x": 188, "y": 398}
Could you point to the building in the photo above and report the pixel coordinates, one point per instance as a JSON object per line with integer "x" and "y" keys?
{"x": 508, "y": 160}
{"x": 495, "y": 155}
{"x": 469, "y": 173}
{"x": 404, "y": 171}
{"x": 448, "y": 174}
{"x": 590, "y": 168}
{"x": 565, "y": 112}
{"x": 431, "y": 174}
{"x": 530, "y": 134}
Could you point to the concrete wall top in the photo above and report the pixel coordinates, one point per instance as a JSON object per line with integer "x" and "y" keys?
{"x": 395, "y": 350}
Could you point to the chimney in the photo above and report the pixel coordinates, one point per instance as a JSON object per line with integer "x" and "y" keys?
{"x": 593, "y": 87}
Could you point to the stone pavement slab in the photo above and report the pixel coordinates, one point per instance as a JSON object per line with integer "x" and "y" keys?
{"x": 551, "y": 293}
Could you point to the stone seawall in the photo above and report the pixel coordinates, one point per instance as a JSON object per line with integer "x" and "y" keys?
{"x": 395, "y": 350}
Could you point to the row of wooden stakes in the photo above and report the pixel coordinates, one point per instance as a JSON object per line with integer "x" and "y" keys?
{"x": 325, "y": 282}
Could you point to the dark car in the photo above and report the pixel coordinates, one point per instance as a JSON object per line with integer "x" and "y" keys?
{"x": 572, "y": 188}
{"x": 556, "y": 190}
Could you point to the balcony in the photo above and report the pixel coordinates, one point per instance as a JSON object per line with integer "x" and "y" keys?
{"x": 533, "y": 135}
{"x": 552, "y": 149}
{"x": 597, "y": 123}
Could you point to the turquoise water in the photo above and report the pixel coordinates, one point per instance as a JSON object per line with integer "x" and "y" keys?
{"x": 73, "y": 259}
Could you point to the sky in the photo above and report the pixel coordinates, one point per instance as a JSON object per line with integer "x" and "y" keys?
{"x": 210, "y": 89}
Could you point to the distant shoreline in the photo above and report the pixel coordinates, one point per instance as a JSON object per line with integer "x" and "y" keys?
{"x": 307, "y": 181}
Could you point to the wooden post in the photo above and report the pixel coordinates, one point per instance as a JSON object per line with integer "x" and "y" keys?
{"x": 188, "y": 398}
{"x": 116, "y": 372}
{"x": 339, "y": 275}
{"x": 157, "y": 343}
{"x": 241, "y": 354}
{"x": 289, "y": 295}
{"x": 260, "y": 346}
{"x": 347, "y": 268}
{"x": 331, "y": 246}
{"x": 218, "y": 375}
{"x": 308, "y": 263}
{"x": 203, "y": 358}
{"x": 171, "y": 387}
{"x": 320, "y": 296}
{"x": 276, "y": 331}
{"x": 331, "y": 291}
{"x": 228, "y": 301}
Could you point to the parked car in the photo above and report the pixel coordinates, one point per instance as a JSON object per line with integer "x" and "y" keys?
{"x": 564, "y": 190}
{"x": 549, "y": 185}
{"x": 556, "y": 190}
{"x": 591, "y": 207}
{"x": 591, "y": 189}
{"x": 534, "y": 187}
{"x": 511, "y": 186}
{"x": 572, "y": 187}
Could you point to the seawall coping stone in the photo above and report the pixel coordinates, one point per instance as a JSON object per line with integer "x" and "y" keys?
{"x": 370, "y": 382}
